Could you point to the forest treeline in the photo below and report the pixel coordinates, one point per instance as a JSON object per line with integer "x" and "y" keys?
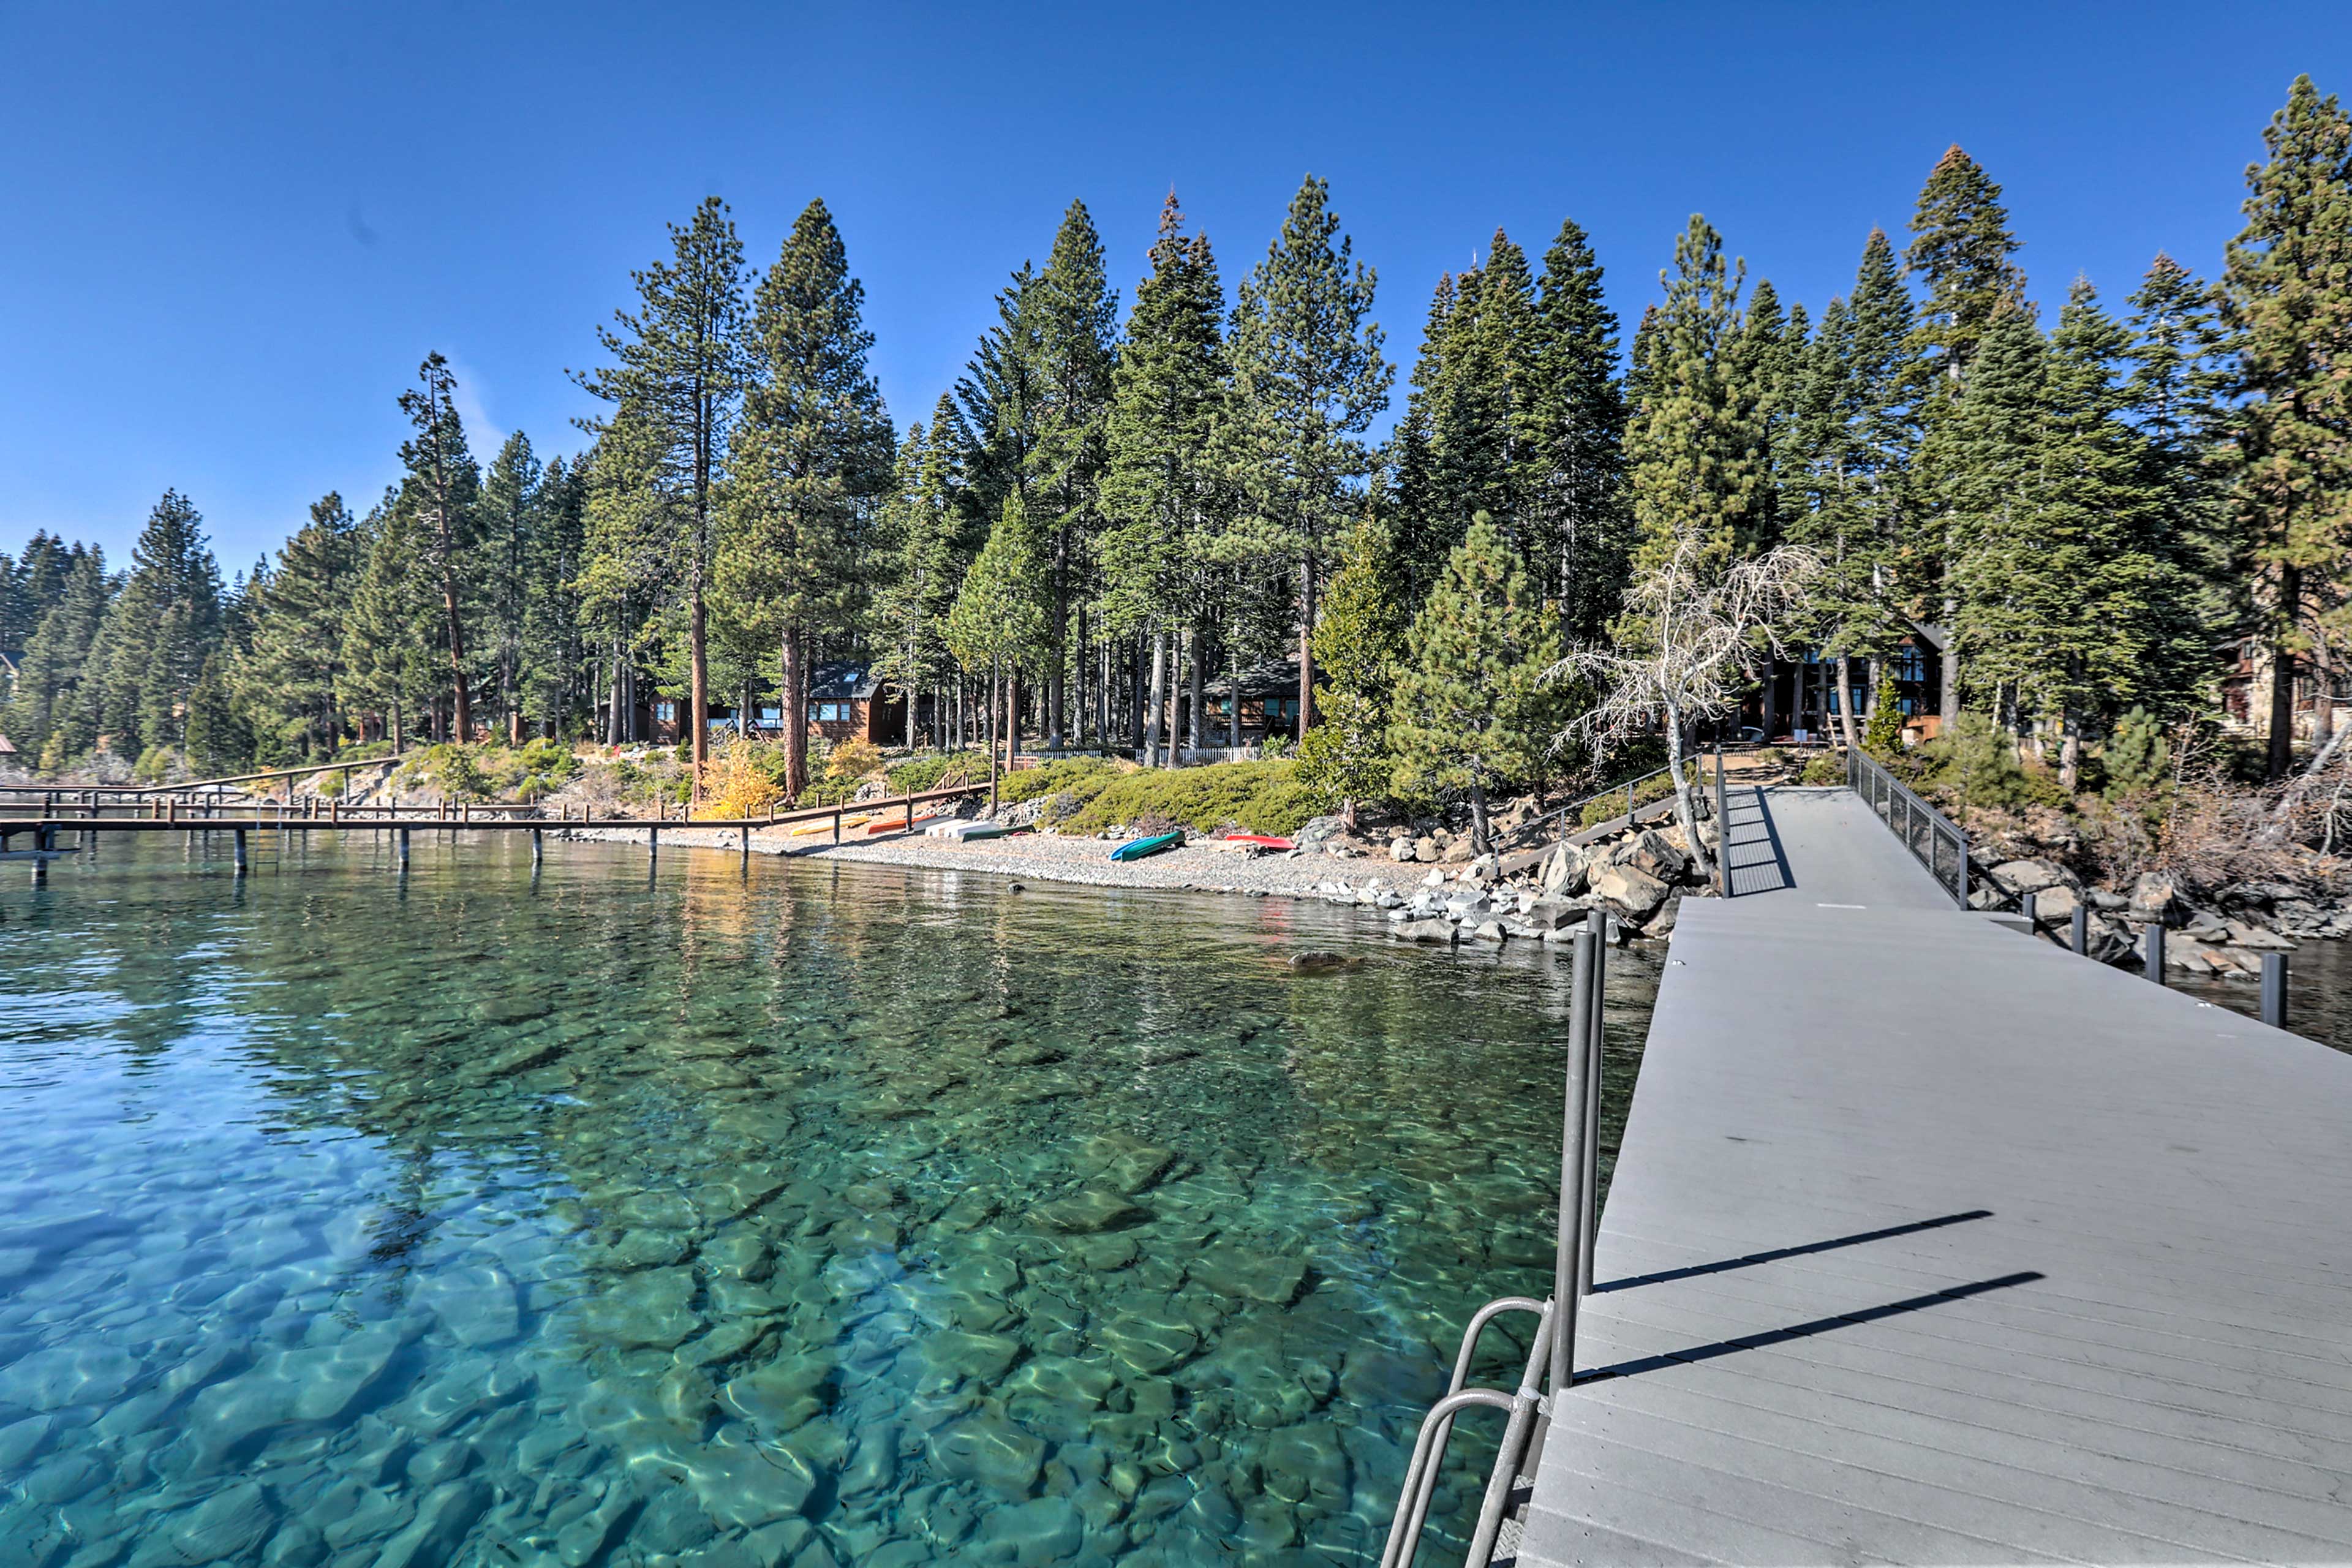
{"x": 2080, "y": 504}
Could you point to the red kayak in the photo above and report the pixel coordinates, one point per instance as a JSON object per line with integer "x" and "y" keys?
{"x": 1262, "y": 841}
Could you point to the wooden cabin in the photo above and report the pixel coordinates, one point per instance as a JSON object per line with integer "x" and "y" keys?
{"x": 1269, "y": 698}
{"x": 1801, "y": 701}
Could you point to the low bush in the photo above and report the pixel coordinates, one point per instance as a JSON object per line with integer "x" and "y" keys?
{"x": 1256, "y": 798}
{"x": 1829, "y": 768}
{"x": 1599, "y": 810}
{"x": 852, "y": 759}
{"x": 928, "y": 771}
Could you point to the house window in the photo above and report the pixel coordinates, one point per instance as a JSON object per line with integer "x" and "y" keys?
{"x": 1281, "y": 708}
{"x": 663, "y": 712}
{"x": 832, "y": 712}
{"x": 770, "y": 716}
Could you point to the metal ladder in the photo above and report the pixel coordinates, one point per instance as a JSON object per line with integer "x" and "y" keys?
{"x": 1553, "y": 1360}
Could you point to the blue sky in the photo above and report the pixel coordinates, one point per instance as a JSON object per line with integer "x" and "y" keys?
{"x": 229, "y": 234}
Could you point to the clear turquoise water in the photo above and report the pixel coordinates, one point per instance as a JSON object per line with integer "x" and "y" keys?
{"x": 835, "y": 1215}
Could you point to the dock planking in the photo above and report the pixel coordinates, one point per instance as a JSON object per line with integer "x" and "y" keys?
{"x": 1930, "y": 1243}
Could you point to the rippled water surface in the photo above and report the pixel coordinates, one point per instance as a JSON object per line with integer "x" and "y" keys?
{"x": 825, "y": 1214}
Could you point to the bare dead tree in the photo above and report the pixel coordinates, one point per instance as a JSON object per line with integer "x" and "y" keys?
{"x": 1691, "y": 630}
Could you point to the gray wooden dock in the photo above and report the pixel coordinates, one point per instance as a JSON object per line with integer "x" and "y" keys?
{"x": 1930, "y": 1243}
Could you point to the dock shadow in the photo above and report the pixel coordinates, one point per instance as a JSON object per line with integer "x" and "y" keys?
{"x": 1775, "y": 1255}
{"x": 1767, "y": 1337}
{"x": 1764, "y": 874}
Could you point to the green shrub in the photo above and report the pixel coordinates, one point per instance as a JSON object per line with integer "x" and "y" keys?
{"x": 2137, "y": 759}
{"x": 1256, "y": 797}
{"x": 1081, "y": 776}
{"x": 154, "y": 766}
{"x": 1599, "y": 810}
{"x": 1975, "y": 763}
{"x": 1882, "y": 737}
{"x": 921, "y": 772}
{"x": 1829, "y": 768}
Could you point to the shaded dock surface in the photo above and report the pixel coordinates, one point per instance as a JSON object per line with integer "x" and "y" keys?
{"x": 1932, "y": 1244}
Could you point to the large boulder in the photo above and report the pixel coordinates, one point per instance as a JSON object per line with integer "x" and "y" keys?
{"x": 1628, "y": 890}
{"x": 1652, "y": 853}
{"x": 1434, "y": 931}
{"x": 1550, "y": 914}
{"x": 2055, "y": 906}
{"x": 1564, "y": 872}
{"x": 1401, "y": 851}
{"x": 2156, "y": 896}
{"x": 2030, "y": 876}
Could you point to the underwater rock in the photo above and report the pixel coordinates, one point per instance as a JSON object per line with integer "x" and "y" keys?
{"x": 990, "y": 1450}
{"x": 1257, "y": 1276}
{"x": 1090, "y": 1210}
{"x": 649, "y": 1309}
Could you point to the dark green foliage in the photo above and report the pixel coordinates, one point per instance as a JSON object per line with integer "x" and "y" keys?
{"x": 1360, "y": 649}
{"x": 291, "y": 675}
{"x": 157, "y": 633}
{"x": 55, "y": 711}
{"x": 1961, "y": 251}
{"x": 2137, "y": 757}
{"x": 1696, "y": 441}
{"x": 1473, "y": 709}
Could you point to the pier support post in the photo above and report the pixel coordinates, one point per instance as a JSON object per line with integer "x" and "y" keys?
{"x": 2275, "y": 990}
{"x": 41, "y": 864}
{"x": 1568, "y": 1264}
{"x": 2079, "y": 938}
{"x": 653, "y": 843}
{"x": 1595, "y": 1015}
{"x": 836, "y": 827}
{"x": 404, "y": 851}
{"x": 2152, "y": 951}
{"x": 240, "y": 851}
{"x": 536, "y": 849}
{"x": 746, "y": 850}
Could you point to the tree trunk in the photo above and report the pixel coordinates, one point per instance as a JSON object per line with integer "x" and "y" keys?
{"x": 1305, "y": 642}
{"x": 1771, "y": 714}
{"x": 2283, "y": 662}
{"x": 1012, "y": 716}
{"x": 1481, "y": 842}
{"x": 1199, "y": 694}
{"x": 399, "y": 736}
{"x": 1845, "y": 700}
{"x": 795, "y": 712}
{"x": 1152, "y": 702}
{"x": 1234, "y": 703}
{"x": 1699, "y": 857}
{"x": 1948, "y": 710}
{"x": 2069, "y": 751}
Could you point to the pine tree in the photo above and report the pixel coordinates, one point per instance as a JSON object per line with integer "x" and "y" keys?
{"x": 2288, "y": 296}
{"x": 1310, "y": 379}
{"x": 1360, "y": 647}
{"x": 918, "y": 546}
{"x": 506, "y": 515}
{"x": 219, "y": 739}
{"x": 158, "y": 632}
{"x": 1426, "y": 524}
{"x": 1075, "y": 317}
{"x": 998, "y": 623}
{"x": 1574, "y": 416}
{"x": 1984, "y": 450}
{"x": 1961, "y": 251}
{"x": 391, "y": 628}
{"x": 1473, "y": 711}
{"x": 441, "y": 491}
{"x": 677, "y": 387}
{"x": 1166, "y": 493}
{"x": 2177, "y": 397}
{"x": 1696, "y": 444}
{"x": 813, "y": 462}
{"x": 554, "y": 650}
{"x": 292, "y": 678}
{"x": 54, "y": 706}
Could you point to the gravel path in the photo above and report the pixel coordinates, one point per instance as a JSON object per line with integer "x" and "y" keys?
{"x": 1196, "y": 867}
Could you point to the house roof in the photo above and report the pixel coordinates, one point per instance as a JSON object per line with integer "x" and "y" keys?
{"x": 1275, "y": 678}
{"x": 843, "y": 682}
{"x": 8, "y": 747}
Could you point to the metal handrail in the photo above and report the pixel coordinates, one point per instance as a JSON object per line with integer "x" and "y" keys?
{"x": 1911, "y": 819}
{"x": 1437, "y": 1428}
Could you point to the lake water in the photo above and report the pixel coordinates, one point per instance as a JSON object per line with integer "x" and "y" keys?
{"x": 832, "y": 1215}
{"x": 2319, "y": 992}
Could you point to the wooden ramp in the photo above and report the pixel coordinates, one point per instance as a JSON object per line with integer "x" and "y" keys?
{"x": 1929, "y": 1243}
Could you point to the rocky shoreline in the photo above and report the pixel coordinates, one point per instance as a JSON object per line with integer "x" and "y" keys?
{"x": 2227, "y": 929}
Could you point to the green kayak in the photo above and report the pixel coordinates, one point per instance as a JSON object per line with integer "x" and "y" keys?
{"x": 1137, "y": 849}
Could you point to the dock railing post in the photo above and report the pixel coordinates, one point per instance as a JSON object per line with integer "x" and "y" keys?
{"x": 2275, "y": 990}
{"x": 2079, "y": 938}
{"x": 2152, "y": 951}
{"x": 1568, "y": 1264}
{"x": 1595, "y": 1018}
{"x": 2031, "y": 904}
{"x": 1722, "y": 828}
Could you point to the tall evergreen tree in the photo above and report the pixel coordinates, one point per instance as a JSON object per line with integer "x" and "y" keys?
{"x": 1473, "y": 708}
{"x": 1574, "y": 419}
{"x": 291, "y": 679}
{"x": 1426, "y": 523}
{"x": 919, "y": 531}
{"x": 1961, "y": 251}
{"x": 53, "y": 713}
{"x": 676, "y": 387}
{"x": 1165, "y": 491}
{"x": 2288, "y": 299}
{"x": 1310, "y": 379}
{"x": 1696, "y": 444}
{"x": 1074, "y": 318}
{"x": 2179, "y": 398}
{"x": 815, "y": 461}
{"x": 159, "y": 629}
{"x": 441, "y": 491}
{"x": 1360, "y": 650}
{"x": 390, "y": 629}
{"x": 506, "y": 515}
{"x": 555, "y": 655}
